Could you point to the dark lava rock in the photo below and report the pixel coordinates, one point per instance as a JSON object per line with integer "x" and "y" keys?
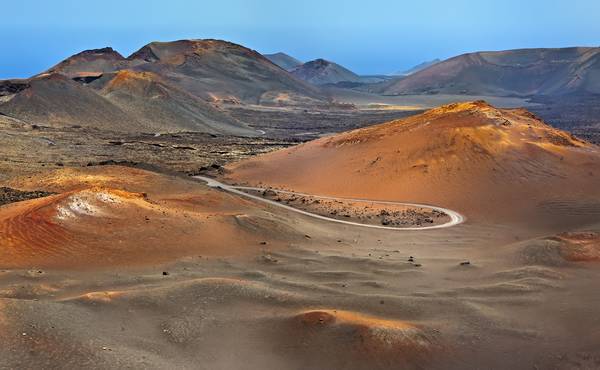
{"x": 269, "y": 193}
{"x": 9, "y": 195}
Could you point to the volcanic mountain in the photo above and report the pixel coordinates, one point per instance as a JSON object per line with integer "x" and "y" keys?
{"x": 321, "y": 72}
{"x": 164, "y": 86}
{"x": 284, "y": 61}
{"x": 417, "y": 68}
{"x": 219, "y": 70}
{"x": 94, "y": 61}
{"x": 124, "y": 101}
{"x": 520, "y": 72}
{"x": 488, "y": 163}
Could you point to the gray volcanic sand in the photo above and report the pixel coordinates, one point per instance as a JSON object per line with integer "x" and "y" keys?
{"x": 344, "y": 297}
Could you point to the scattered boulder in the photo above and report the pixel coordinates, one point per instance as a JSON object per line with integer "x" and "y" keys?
{"x": 268, "y": 193}
{"x": 267, "y": 258}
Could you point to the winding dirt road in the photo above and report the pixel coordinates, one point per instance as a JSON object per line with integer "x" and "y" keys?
{"x": 455, "y": 217}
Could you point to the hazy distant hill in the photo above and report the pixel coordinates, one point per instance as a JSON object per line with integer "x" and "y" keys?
{"x": 417, "y": 68}
{"x": 164, "y": 86}
{"x": 513, "y": 72}
{"x": 321, "y": 72}
{"x": 284, "y": 61}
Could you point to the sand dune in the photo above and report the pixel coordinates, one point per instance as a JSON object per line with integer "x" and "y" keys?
{"x": 563, "y": 249}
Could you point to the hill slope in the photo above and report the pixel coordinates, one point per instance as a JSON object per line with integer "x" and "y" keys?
{"x": 125, "y": 101}
{"x": 513, "y": 72}
{"x": 485, "y": 162}
{"x": 321, "y": 72}
{"x": 55, "y": 100}
{"x": 284, "y": 61}
{"x": 157, "y": 105}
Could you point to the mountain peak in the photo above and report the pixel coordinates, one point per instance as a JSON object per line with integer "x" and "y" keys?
{"x": 89, "y": 61}
{"x": 477, "y": 105}
{"x": 101, "y": 51}
{"x": 283, "y": 60}
{"x": 321, "y": 72}
{"x": 176, "y": 52}
{"x": 320, "y": 62}
{"x": 279, "y": 54}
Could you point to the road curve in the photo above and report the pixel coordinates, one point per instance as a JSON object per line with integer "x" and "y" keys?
{"x": 455, "y": 217}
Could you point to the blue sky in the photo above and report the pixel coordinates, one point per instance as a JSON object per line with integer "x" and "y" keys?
{"x": 368, "y": 37}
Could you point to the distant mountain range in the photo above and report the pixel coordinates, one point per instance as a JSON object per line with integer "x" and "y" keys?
{"x": 522, "y": 72}
{"x": 185, "y": 85}
{"x": 164, "y": 86}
